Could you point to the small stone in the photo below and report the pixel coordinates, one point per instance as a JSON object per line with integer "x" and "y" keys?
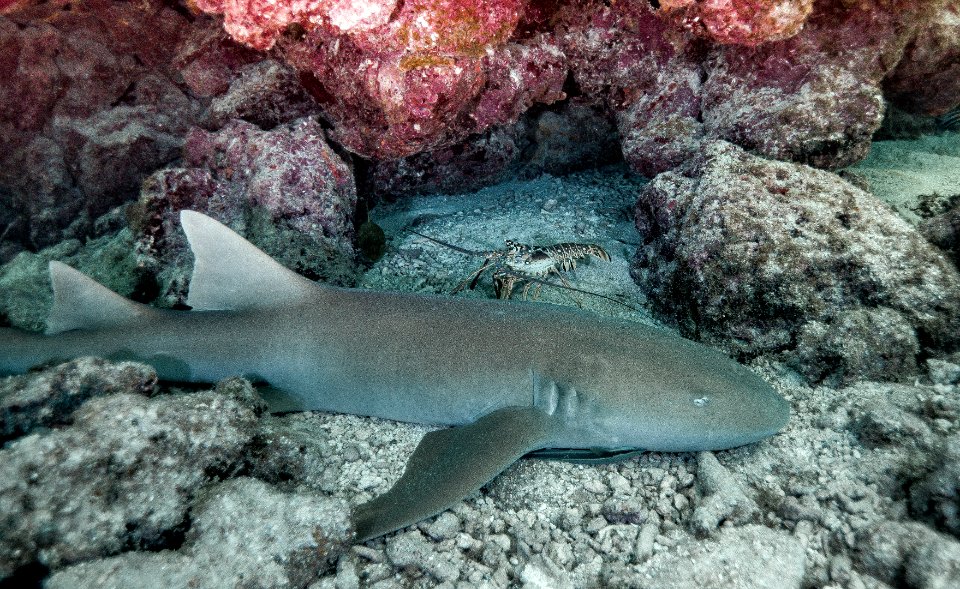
{"x": 444, "y": 527}
{"x": 595, "y": 486}
{"x": 596, "y": 524}
{"x": 624, "y": 511}
{"x": 645, "y": 541}
{"x": 721, "y": 497}
{"x": 943, "y": 372}
{"x": 542, "y": 573}
{"x": 618, "y": 483}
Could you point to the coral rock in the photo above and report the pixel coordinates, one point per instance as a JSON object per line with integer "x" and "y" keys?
{"x": 646, "y": 73}
{"x": 396, "y": 80}
{"x": 909, "y": 554}
{"x": 243, "y": 534}
{"x": 284, "y": 189}
{"x": 761, "y": 256}
{"x": 266, "y": 93}
{"x": 937, "y": 496}
{"x": 943, "y": 230}
{"x": 50, "y": 397}
{"x": 560, "y": 140}
{"x": 927, "y": 79}
{"x": 121, "y": 476}
{"x": 747, "y": 556}
{"x": 740, "y": 22}
{"x": 91, "y": 103}
{"x": 671, "y": 91}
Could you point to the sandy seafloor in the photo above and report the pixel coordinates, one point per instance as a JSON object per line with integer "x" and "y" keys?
{"x": 806, "y": 508}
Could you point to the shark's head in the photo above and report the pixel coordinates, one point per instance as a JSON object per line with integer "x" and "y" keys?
{"x": 694, "y": 399}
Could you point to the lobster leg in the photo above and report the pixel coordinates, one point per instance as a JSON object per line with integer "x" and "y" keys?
{"x": 503, "y": 283}
{"x": 566, "y": 283}
{"x": 473, "y": 278}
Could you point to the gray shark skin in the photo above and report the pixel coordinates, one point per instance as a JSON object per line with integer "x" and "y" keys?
{"x": 512, "y": 378}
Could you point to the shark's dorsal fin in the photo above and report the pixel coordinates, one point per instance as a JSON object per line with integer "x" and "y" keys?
{"x": 80, "y": 302}
{"x": 232, "y": 274}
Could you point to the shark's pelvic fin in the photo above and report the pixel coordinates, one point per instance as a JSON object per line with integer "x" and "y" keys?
{"x": 450, "y": 464}
{"x": 80, "y": 302}
{"x": 230, "y": 273}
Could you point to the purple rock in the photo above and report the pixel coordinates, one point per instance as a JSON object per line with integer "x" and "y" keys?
{"x": 284, "y": 189}
{"x": 927, "y": 79}
{"x": 265, "y": 93}
{"x": 98, "y": 95}
{"x": 647, "y": 74}
{"x": 86, "y": 106}
{"x": 770, "y": 257}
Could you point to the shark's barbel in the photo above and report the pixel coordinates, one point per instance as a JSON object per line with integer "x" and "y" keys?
{"x": 511, "y": 378}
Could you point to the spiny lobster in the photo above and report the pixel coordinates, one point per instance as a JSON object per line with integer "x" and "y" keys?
{"x": 529, "y": 264}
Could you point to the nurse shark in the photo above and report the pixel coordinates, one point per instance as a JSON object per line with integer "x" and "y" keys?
{"x": 508, "y": 378}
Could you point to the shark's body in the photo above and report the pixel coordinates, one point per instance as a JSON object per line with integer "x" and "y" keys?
{"x": 515, "y": 377}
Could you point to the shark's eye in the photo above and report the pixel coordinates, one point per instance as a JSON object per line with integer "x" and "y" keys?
{"x": 701, "y": 401}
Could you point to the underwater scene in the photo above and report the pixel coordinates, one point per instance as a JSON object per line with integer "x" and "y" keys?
{"x": 337, "y": 294}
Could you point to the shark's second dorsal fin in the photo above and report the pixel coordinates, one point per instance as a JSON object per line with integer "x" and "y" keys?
{"x": 230, "y": 273}
{"x": 80, "y": 302}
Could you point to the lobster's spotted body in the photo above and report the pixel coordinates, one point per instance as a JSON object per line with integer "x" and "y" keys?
{"x": 519, "y": 262}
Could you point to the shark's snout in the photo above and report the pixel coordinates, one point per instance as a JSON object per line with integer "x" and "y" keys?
{"x": 774, "y": 415}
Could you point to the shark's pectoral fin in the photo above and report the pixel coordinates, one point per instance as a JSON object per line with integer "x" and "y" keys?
{"x": 450, "y": 464}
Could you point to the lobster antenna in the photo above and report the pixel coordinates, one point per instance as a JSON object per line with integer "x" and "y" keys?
{"x": 580, "y": 290}
{"x": 450, "y": 245}
{"x": 529, "y": 278}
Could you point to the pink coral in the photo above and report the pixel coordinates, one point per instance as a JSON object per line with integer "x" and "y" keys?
{"x": 740, "y": 22}
{"x": 421, "y": 75}
{"x": 259, "y": 23}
